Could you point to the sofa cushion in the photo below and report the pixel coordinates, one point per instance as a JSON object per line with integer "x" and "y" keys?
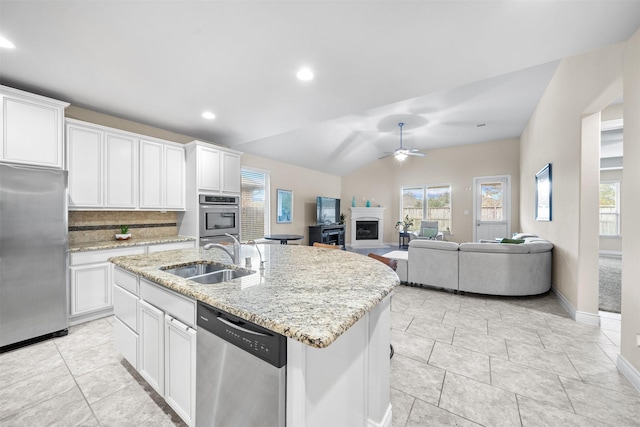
{"x": 523, "y": 235}
{"x": 434, "y": 244}
{"x": 494, "y": 248}
{"x": 539, "y": 245}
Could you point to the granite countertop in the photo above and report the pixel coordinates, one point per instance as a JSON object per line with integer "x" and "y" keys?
{"x": 115, "y": 244}
{"x": 308, "y": 294}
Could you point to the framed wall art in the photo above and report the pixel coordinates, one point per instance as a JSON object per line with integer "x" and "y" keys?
{"x": 284, "y": 207}
{"x": 543, "y": 194}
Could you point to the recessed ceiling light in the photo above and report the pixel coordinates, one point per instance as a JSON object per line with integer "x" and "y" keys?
{"x": 6, "y": 43}
{"x": 305, "y": 74}
{"x": 208, "y": 115}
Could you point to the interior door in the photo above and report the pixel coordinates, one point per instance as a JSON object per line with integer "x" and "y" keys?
{"x": 492, "y": 207}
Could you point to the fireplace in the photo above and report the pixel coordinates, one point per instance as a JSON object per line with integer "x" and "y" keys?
{"x": 367, "y": 230}
{"x": 367, "y": 227}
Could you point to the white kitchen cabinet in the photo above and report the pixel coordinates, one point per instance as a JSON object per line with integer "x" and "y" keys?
{"x": 84, "y": 157}
{"x": 208, "y": 169}
{"x": 121, "y": 171}
{"x": 162, "y": 176}
{"x": 90, "y": 283}
{"x": 217, "y": 169}
{"x": 151, "y": 350}
{"x": 103, "y": 167}
{"x": 90, "y": 288}
{"x": 230, "y": 172}
{"x": 180, "y": 368}
{"x": 32, "y": 129}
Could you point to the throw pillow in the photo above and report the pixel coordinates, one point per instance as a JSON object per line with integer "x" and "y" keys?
{"x": 512, "y": 241}
{"x": 429, "y": 232}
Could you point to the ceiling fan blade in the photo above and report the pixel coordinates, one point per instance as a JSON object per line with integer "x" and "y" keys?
{"x": 415, "y": 153}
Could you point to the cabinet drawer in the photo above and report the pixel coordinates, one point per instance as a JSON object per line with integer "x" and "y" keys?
{"x": 171, "y": 246}
{"x": 125, "y": 307}
{"x": 90, "y": 257}
{"x": 168, "y": 301}
{"x": 126, "y": 280}
{"x": 126, "y": 342}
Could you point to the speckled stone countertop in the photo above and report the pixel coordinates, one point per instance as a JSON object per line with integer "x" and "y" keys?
{"x": 309, "y": 294}
{"x": 114, "y": 244}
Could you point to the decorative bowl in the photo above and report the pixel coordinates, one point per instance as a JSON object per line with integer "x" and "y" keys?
{"x": 123, "y": 236}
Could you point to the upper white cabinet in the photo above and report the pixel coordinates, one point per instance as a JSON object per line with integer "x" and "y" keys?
{"x": 32, "y": 129}
{"x": 103, "y": 167}
{"x": 162, "y": 176}
{"x": 111, "y": 169}
{"x": 217, "y": 169}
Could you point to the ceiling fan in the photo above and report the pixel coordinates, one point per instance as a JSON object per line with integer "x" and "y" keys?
{"x": 401, "y": 153}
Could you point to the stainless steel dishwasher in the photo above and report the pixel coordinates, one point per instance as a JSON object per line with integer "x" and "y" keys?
{"x": 241, "y": 372}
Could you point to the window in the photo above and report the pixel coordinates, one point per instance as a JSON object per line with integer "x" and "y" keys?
{"x": 430, "y": 203}
{"x": 610, "y": 208}
{"x": 254, "y": 222}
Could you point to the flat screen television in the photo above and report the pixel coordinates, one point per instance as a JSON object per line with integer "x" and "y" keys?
{"x": 328, "y": 210}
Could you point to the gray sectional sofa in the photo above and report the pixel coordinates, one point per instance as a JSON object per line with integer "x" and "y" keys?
{"x": 485, "y": 268}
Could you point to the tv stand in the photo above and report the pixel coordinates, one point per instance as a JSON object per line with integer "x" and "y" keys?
{"x": 328, "y": 234}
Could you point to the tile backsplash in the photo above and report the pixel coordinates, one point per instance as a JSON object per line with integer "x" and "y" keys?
{"x": 100, "y": 226}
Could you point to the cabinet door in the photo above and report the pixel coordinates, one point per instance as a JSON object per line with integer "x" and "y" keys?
{"x": 151, "y": 174}
{"x": 32, "y": 132}
{"x": 126, "y": 342}
{"x": 174, "y": 179}
{"x": 230, "y": 173}
{"x": 121, "y": 177}
{"x": 90, "y": 288}
{"x": 151, "y": 352}
{"x": 180, "y": 368}
{"x": 84, "y": 151}
{"x": 208, "y": 169}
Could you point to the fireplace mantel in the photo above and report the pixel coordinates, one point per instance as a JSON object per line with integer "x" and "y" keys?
{"x": 367, "y": 214}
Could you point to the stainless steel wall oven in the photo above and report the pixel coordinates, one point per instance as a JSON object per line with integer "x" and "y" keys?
{"x": 219, "y": 215}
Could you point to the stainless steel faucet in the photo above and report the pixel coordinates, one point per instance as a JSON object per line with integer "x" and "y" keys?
{"x": 235, "y": 255}
{"x": 253, "y": 243}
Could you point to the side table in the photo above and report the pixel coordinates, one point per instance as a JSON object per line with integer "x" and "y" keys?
{"x": 403, "y": 240}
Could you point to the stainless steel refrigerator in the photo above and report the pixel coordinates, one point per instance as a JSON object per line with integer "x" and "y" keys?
{"x": 33, "y": 253}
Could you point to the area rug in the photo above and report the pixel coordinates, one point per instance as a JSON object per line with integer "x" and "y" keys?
{"x": 610, "y": 284}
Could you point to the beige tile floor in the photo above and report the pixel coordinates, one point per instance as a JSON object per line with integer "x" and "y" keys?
{"x": 459, "y": 360}
{"x": 493, "y": 361}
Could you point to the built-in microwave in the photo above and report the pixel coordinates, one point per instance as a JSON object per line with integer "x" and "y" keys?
{"x": 219, "y": 215}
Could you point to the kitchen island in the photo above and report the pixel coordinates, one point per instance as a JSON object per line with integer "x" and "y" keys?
{"x": 333, "y": 306}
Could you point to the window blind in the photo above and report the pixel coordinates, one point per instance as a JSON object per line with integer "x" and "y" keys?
{"x": 254, "y": 221}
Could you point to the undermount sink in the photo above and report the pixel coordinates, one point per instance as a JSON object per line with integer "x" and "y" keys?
{"x": 208, "y": 273}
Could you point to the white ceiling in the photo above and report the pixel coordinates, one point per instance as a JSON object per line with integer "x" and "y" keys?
{"x": 441, "y": 67}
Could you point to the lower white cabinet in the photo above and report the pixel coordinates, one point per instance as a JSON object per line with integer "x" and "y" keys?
{"x": 90, "y": 283}
{"x": 154, "y": 331}
{"x": 152, "y": 346}
{"x": 90, "y": 288}
{"x": 180, "y": 368}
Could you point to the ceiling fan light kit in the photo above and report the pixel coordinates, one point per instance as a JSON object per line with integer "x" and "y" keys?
{"x": 401, "y": 153}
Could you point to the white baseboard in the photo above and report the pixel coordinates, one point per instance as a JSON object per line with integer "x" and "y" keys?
{"x": 629, "y": 371}
{"x": 588, "y": 318}
{"x": 385, "y": 422}
{"x": 612, "y": 254}
{"x": 578, "y": 316}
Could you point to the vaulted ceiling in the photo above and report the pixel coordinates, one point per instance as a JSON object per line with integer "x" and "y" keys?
{"x": 456, "y": 72}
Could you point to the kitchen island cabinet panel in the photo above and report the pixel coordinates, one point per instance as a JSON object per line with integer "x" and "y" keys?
{"x": 126, "y": 342}
{"x": 180, "y": 368}
{"x": 151, "y": 350}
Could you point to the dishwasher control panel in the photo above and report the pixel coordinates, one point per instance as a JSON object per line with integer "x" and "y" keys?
{"x": 261, "y": 342}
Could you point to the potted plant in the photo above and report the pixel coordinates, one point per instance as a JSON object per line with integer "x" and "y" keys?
{"x": 403, "y": 226}
{"x": 342, "y": 218}
{"x": 124, "y": 233}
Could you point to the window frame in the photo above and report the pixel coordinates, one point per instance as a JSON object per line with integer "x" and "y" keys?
{"x": 617, "y": 182}
{"x": 425, "y": 202}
